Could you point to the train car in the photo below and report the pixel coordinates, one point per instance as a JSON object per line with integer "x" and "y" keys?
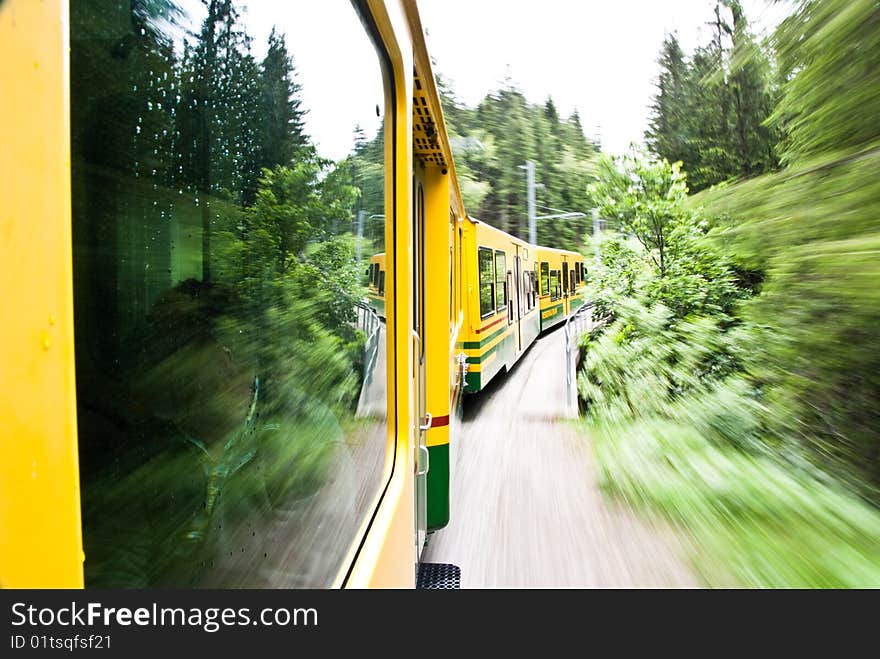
{"x": 376, "y": 283}
{"x": 501, "y": 301}
{"x": 179, "y": 363}
{"x": 191, "y": 394}
{"x": 561, "y": 283}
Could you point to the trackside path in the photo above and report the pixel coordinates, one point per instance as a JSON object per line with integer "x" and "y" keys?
{"x": 526, "y": 508}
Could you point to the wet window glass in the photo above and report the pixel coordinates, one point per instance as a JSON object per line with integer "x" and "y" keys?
{"x": 228, "y": 195}
{"x": 487, "y": 282}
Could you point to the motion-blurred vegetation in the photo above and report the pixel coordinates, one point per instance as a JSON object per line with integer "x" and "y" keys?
{"x": 734, "y": 386}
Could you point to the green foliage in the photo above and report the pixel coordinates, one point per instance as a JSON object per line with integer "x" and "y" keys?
{"x": 644, "y": 198}
{"x": 829, "y": 54}
{"x": 648, "y": 359}
{"x": 699, "y": 280}
{"x": 813, "y": 230}
{"x": 612, "y": 277}
{"x": 681, "y": 425}
{"x": 737, "y": 393}
{"x": 753, "y": 522}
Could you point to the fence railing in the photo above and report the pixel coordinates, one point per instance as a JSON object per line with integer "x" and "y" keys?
{"x": 369, "y": 323}
{"x": 576, "y": 325}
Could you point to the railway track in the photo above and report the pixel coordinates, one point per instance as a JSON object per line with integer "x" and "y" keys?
{"x": 526, "y": 507}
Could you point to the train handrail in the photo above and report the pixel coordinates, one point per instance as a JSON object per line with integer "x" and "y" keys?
{"x": 575, "y": 325}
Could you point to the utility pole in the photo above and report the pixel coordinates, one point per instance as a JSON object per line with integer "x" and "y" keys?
{"x": 596, "y": 232}
{"x": 360, "y": 238}
{"x": 530, "y": 187}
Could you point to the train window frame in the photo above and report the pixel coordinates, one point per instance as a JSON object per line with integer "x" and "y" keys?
{"x": 527, "y": 290}
{"x": 348, "y": 542}
{"x": 491, "y": 284}
{"x": 544, "y": 288}
{"x": 554, "y": 285}
{"x": 502, "y": 280}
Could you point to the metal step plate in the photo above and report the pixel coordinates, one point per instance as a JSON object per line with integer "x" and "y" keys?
{"x": 438, "y": 576}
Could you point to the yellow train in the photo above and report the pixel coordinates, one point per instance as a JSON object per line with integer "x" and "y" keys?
{"x": 194, "y": 393}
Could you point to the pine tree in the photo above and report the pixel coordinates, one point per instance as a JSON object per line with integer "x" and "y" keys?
{"x": 282, "y": 117}
{"x": 667, "y": 134}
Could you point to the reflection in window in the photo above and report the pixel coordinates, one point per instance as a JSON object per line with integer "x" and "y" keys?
{"x": 545, "y": 278}
{"x": 500, "y": 281}
{"x": 554, "y": 284}
{"x": 231, "y": 398}
{"x": 487, "y": 282}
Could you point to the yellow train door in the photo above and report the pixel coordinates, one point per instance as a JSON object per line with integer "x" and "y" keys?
{"x": 566, "y": 304}
{"x": 516, "y": 284}
{"x": 421, "y": 457}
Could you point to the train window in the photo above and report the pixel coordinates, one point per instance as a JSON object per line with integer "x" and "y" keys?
{"x": 554, "y": 284}
{"x": 534, "y": 278}
{"x": 232, "y": 414}
{"x": 527, "y": 293}
{"x": 565, "y": 277}
{"x": 545, "y": 278}
{"x": 572, "y": 287}
{"x": 487, "y": 282}
{"x": 501, "y": 293}
{"x": 381, "y": 284}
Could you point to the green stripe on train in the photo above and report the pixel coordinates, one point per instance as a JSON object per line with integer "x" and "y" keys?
{"x": 497, "y": 346}
{"x": 472, "y": 382}
{"x": 438, "y": 486}
{"x": 474, "y": 345}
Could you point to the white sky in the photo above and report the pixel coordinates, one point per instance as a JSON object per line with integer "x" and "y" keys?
{"x": 598, "y": 56}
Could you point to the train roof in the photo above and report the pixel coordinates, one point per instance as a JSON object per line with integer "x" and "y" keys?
{"x": 503, "y": 233}
{"x": 540, "y": 248}
{"x": 430, "y": 139}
